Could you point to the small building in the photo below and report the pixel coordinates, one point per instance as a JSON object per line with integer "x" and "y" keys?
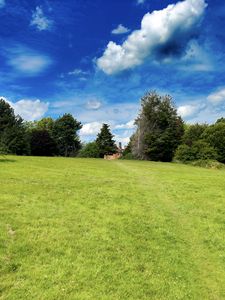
{"x": 116, "y": 155}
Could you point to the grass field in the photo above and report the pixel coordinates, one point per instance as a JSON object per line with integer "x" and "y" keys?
{"x": 95, "y": 229}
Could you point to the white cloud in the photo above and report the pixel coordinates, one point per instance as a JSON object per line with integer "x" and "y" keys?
{"x": 40, "y": 21}
{"x": 123, "y": 140}
{"x": 27, "y": 61}
{"x": 217, "y": 97}
{"x": 140, "y": 1}
{"x": 161, "y": 32}
{"x": 128, "y": 125}
{"x": 78, "y": 72}
{"x": 186, "y": 111}
{"x": 120, "y": 29}
{"x": 29, "y": 110}
{"x": 93, "y": 104}
{"x": 2, "y": 3}
{"x": 89, "y": 129}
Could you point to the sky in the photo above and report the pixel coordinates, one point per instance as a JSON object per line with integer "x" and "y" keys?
{"x": 96, "y": 59}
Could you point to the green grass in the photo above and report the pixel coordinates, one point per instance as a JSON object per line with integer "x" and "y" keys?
{"x": 95, "y": 229}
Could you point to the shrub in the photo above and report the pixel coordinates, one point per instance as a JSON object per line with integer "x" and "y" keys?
{"x": 199, "y": 150}
{"x": 90, "y": 150}
{"x": 128, "y": 156}
{"x": 209, "y": 164}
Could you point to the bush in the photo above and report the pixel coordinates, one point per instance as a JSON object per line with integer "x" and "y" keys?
{"x": 209, "y": 164}
{"x": 199, "y": 150}
{"x": 128, "y": 156}
{"x": 90, "y": 150}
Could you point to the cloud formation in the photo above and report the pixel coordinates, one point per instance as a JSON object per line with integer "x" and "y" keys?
{"x": 217, "y": 97}
{"x": 207, "y": 109}
{"x": 120, "y": 29}
{"x": 29, "y": 110}
{"x": 90, "y": 129}
{"x": 2, "y": 3}
{"x": 163, "y": 33}
{"x": 140, "y": 1}
{"x": 186, "y": 111}
{"x": 128, "y": 125}
{"x": 40, "y": 21}
{"x": 27, "y": 61}
{"x": 93, "y": 104}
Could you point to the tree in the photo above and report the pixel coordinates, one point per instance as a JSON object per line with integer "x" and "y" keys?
{"x": 41, "y": 143}
{"x": 46, "y": 124}
{"x": 193, "y": 133}
{"x": 105, "y": 141}
{"x": 198, "y": 150}
{"x": 90, "y": 150}
{"x": 215, "y": 136}
{"x": 65, "y": 134}
{"x": 159, "y": 129}
{"x": 13, "y": 137}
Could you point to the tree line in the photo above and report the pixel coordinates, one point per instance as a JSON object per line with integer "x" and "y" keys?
{"x": 160, "y": 135}
{"x": 49, "y": 137}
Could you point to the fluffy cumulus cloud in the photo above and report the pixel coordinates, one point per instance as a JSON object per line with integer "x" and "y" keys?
{"x": 2, "y": 3}
{"x": 40, "y": 21}
{"x": 30, "y": 110}
{"x": 120, "y": 29}
{"x": 90, "y": 129}
{"x": 217, "y": 97}
{"x": 26, "y": 60}
{"x": 186, "y": 111}
{"x": 163, "y": 33}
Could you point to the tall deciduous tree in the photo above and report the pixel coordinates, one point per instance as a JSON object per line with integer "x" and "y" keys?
{"x": 159, "y": 129}
{"x": 105, "y": 141}
{"x": 65, "y": 134}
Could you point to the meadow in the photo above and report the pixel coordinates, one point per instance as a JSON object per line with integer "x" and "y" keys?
{"x": 95, "y": 229}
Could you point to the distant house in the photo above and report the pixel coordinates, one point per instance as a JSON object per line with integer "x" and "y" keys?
{"x": 116, "y": 155}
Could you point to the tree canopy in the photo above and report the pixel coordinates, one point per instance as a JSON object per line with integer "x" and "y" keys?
{"x": 159, "y": 129}
{"x": 105, "y": 141}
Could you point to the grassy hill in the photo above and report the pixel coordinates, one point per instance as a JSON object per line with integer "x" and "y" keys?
{"x": 95, "y": 229}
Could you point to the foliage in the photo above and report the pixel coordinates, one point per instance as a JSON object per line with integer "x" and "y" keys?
{"x": 199, "y": 150}
{"x": 209, "y": 164}
{"x": 159, "y": 129}
{"x": 128, "y": 156}
{"x": 13, "y": 137}
{"x": 193, "y": 133}
{"x": 65, "y": 134}
{"x": 93, "y": 229}
{"x": 105, "y": 141}
{"x": 46, "y": 124}
{"x": 215, "y": 136}
{"x": 90, "y": 150}
{"x": 41, "y": 143}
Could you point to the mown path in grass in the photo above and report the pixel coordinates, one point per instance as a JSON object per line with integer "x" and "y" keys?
{"x": 95, "y": 229}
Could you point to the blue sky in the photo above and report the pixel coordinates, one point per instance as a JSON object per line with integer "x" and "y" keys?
{"x": 95, "y": 59}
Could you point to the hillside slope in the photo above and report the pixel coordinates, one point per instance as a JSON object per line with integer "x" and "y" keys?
{"x": 95, "y": 229}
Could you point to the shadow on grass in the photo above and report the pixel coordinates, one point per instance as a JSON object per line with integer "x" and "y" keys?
{"x": 6, "y": 160}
